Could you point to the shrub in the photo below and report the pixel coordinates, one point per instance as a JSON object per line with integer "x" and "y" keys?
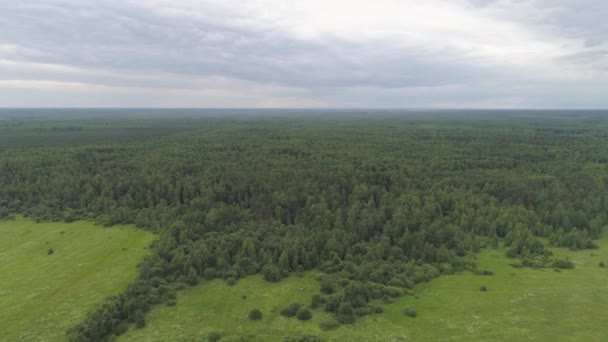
{"x": 231, "y": 281}
{"x": 346, "y": 314}
{"x": 209, "y": 273}
{"x": 393, "y": 291}
{"x": 171, "y": 302}
{"x": 329, "y": 324}
{"x": 302, "y": 338}
{"x": 303, "y": 314}
{"x": 140, "y": 321}
{"x": 483, "y": 272}
{"x": 328, "y": 285}
{"x": 213, "y": 336}
{"x": 255, "y": 315}
{"x": 272, "y": 273}
{"x": 332, "y": 303}
{"x": 378, "y": 309}
{"x": 291, "y": 310}
{"x": 363, "y": 311}
{"x": 316, "y": 301}
{"x": 50, "y": 251}
{"x": 601, "y": 264}
{"x": 411, "y": 312}
{"x": 564, "y": 264}
{"x": 121, "y": 329}
{"x": 483, "y": 288}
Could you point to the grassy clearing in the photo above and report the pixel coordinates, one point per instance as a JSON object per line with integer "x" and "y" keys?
{"x": 42, "y": 295}
{"x": 519, "y": 304}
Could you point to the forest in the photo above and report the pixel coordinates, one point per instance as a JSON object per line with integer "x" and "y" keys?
{"x": 377, "y": 202}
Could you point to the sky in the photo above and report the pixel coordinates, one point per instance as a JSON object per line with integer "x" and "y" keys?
{"x": 304, "y": 54}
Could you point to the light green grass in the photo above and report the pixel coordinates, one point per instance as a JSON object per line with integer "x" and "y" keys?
{"x": 520, "y": 305}
{"x": 42, "y": 295}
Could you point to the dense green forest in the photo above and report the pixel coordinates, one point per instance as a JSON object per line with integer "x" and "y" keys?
{"x": 376, "y": 201}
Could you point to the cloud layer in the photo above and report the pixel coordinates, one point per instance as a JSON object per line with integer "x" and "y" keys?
{"x": 276, "y": 53}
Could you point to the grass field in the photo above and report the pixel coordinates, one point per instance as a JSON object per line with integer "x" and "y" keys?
{"x": 519, "y": 305}
{"x": 42, "y": 295}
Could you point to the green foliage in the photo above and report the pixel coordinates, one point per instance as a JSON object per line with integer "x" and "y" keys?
{"x": 388, "y": 200}
{"x": 483, "y": 288}
{"x": 231, "y": 281}
{"x": 316, "y": 301}
{"x": 563, "y": 264}
{"x": 329, "y": 324}
{"x": 140, "y": 320}
{"x": 291, "y": 310}
{"x": 302, "y": 338}
{"x": 50, "y": 251}
{"x": 346, "y": 314}
{"x": 213, "y": 336}
{"x": 255, "y": 315}
{"x": 602, "y": 264}
{"x": 303, "y": 314}
{"x": 88, "y": 264}
{"x": 410, "y": 312}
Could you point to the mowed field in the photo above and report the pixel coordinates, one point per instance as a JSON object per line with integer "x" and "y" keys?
{"x": 519, "y": 305}
{"x": 42, "y": 295}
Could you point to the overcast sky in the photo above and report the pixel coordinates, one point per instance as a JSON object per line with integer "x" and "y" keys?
{"x": 308, "y": 53}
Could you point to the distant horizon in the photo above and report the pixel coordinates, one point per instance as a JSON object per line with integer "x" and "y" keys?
{"x": 315, "y": 108}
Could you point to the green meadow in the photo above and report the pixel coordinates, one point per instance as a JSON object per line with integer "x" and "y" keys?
{"x": 42, "y": 294}
{"x": 519, "y": 304}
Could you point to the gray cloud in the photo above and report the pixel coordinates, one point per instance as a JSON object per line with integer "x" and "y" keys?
{"x": 135, "y": 45}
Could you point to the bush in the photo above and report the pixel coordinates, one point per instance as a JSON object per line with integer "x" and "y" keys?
{"x": 303, "y": 314}
{"x": 411, "y": 312}
{"x": 393, "y": 291}
{"x": 346, "y": 314}
{"x": 140, "y": 321}
{"x": 483, "y": 288}
{"x": 329, "y": 324}
{"x": 171, "y": 302}
{"x": 302, "y": 338}
{"x": 50, "y": 251}
{"x": 328, "y": 285}
{"x": 563, "y": 264}
{"x": 316, "y": 301}
{"x": 363, "y": 311}
{"x": 255, "y": 315}
{"x": 332, "y": 303}
{"x": 601, "y": 264}
{"x": 483, "y": 272}
{"x": 213, "y": 336}
{"x": 231, "y": 281}
{"x": 272, "y": 273}
{"x": 291, "y": 310}
{"x": 209, "y": 273}
{"x": 121, "y": 329}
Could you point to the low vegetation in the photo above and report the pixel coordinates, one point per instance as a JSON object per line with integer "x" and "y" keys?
{"x": 43, "y": 293}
